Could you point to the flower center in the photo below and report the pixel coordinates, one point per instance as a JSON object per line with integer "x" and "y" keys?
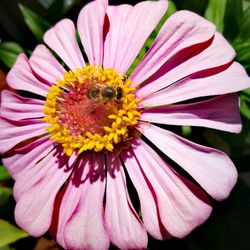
{"x": 91, "y": 109}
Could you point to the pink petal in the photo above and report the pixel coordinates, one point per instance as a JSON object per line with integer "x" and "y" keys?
{"x": 90, "y": 25}
{"x": 15, "y": 107}
{"x": 67, "y": 202}
{"x": 46, "y": 65}
{"x": 211, "y": 168}
{"x": 27, "y": 156}
{"x": 182, "y": 205}
{"x": 39, "y": 187}
{"x": 125, "y": 228}
{"x": 129, "y": 29}
{"x": 180, "y": 31}
{"x": 220, "y": 113}
{"x": 148, "y": 200}
{"x": 220, "y": 52}
{"x": 117, "y": 16}
{"x": 86, "y": 229}
{"x": 14, "y": 132}
{"x": 34, "y": 173}
{"x": 230, "y": 80}
{"x": 21, "y": 77}
{"x": 62, "y": 39}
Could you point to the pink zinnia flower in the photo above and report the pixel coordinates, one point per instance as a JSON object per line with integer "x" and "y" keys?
{"x": 86, "y": 128}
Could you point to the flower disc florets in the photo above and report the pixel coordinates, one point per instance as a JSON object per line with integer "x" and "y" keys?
{"x": 91, "y": 109}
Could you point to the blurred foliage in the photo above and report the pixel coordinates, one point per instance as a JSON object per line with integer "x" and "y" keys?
{"x": 198, "y": 6}
{"x": 9, "y": 233}
{"x": 215, "y": 13}
{"x": 4, "y": 175}
{"x": 36, "y": 23}
{"x": 22, "y": 25}
{"x": 9, "y": 52}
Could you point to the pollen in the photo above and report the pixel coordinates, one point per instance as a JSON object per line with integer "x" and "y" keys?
{"x": 91, "y": 109}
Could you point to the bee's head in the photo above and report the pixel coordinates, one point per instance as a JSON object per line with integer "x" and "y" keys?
{"x": 119, "y": 93}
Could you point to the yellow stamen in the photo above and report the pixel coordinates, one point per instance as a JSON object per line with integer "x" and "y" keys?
{"x": 125, "y": 110}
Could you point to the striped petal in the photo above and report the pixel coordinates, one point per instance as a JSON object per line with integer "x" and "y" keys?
{"x": 62, "y": 39}
{"x": 124, "y": 226}
{"x": 37, "y": 189}
{"x": 232, "y": 79}
{"x": 21, "y": 158}
{"x": 86, "y": 229}
{"x": 46, "y": 65}
{"x": 211, "y": 168}
{"x": 186, "y": 62}
{"x": 129, "y": 29}
{"x": 90, "y": 25}
{"x": 181, "y": 30}
{"x": 220, "y": 113}
{"x": 15, "y": 107}
{"x": 21, "y": 77}
{"x": 182, "y": 205}
{"x": 14, "y": 132}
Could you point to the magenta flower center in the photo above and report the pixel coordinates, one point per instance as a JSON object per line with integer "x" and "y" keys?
{"x": 79, "y": 112}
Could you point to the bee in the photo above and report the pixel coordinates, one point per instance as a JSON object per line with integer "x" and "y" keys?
{"x": 105, "y": 93}
{"x": 125, "y": 78}
{"x": 119, "y": 93}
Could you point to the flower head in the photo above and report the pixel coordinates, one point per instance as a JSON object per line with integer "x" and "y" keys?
{"x": 76, "y": 130}
{"x": 91, "y": 109}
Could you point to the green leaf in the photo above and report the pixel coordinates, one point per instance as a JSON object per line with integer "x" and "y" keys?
{"x": 4, "y": 175}
{"x": 198, "y": 6}
{"x": 246, "y": 92}
{"x": 171, "y": 10}
{"x": 5, "y": 248}
{"x": 186, "y": 131}
{"x": 5, "y": 194}
{"x": 140, "y": 56}
{"x": 232, "y": 18}
{"x": 245, "y": 103}
{"x": 243, "y": 53}
{"x": 5, "y": 198}
{"x": 215, "y": 13}
{"x": 9, "y": 52}
{"x": 246, "y": 4}
{"x": 245, "y": 108}
{"x": 10, "y": 233}
{"x": 35, "y": 22}
{"x": 244, "y": 33}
